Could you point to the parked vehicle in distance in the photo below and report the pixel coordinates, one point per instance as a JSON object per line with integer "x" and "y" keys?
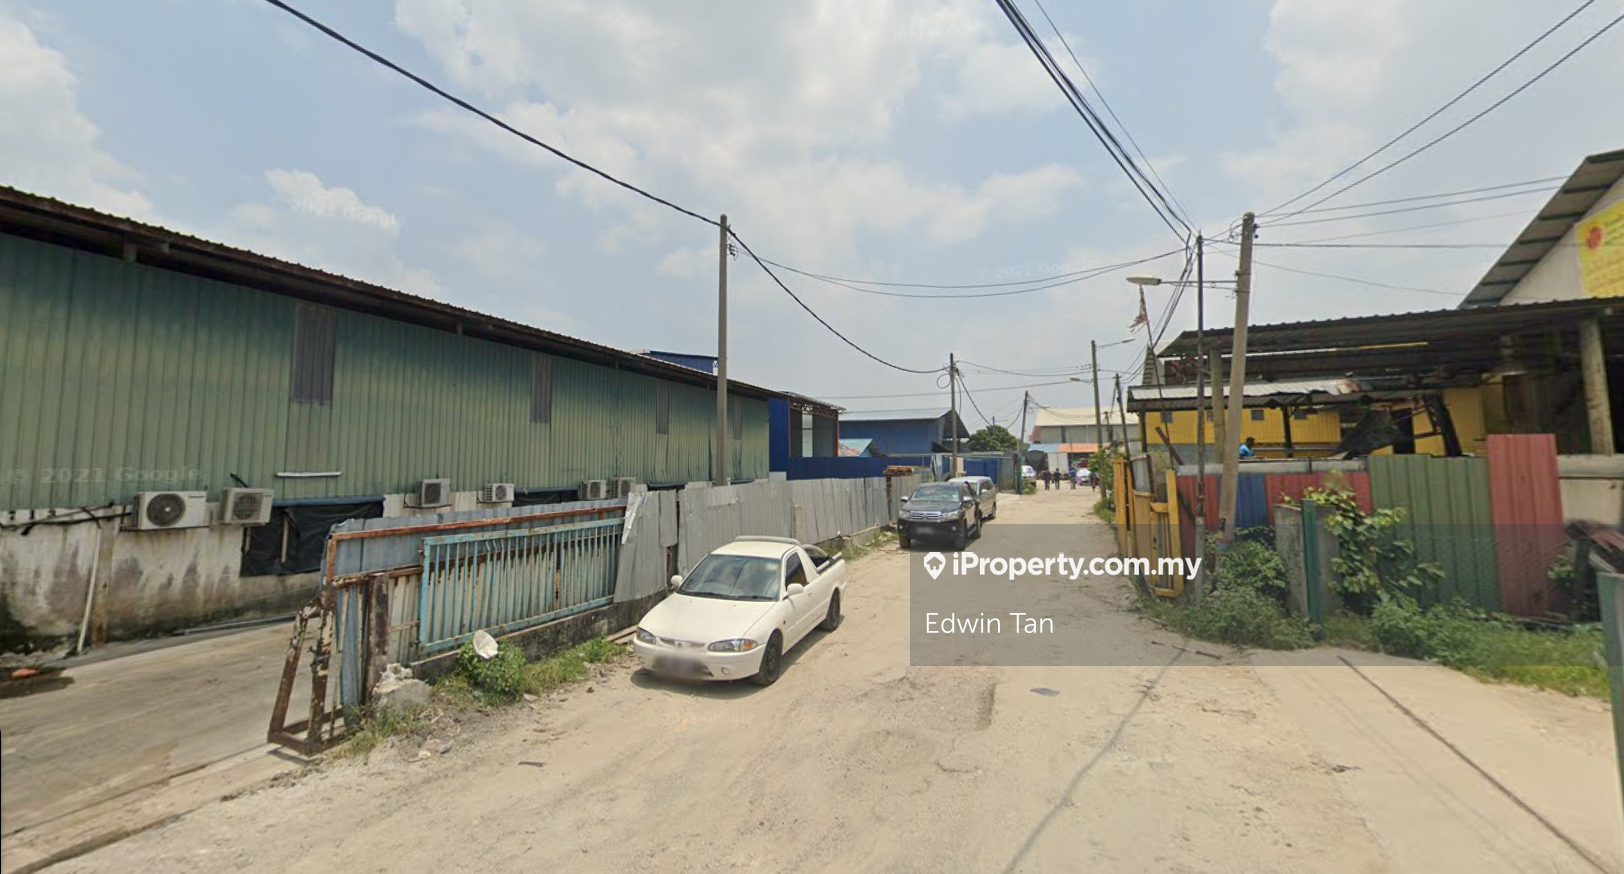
{"x": 939, "y": 510}
{"x": 1029, "y": 473}
{"x": 1084, "y": 476}
{"x": 741, "y": 609}
{"x": 986, "y": 492}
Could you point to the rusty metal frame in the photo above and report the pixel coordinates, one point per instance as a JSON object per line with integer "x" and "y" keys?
{"x": 316, "y": 732}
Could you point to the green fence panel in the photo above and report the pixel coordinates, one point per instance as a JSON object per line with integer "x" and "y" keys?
{"x": 1447, "y": 518}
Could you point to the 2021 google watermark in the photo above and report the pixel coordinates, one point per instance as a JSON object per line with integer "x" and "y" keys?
{"x": 1060, "y": 565}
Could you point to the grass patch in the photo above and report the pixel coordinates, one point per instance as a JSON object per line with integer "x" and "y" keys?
{"x": 1349, "y": 631}
{"x": 1239, "y": 617}
{"x": 1102, "y": 509}
{"x": 880, "y": 541}
{"x": 379, "y": 726}
{"x": 461, "y": 690}
{"x": 1490, "y": 647}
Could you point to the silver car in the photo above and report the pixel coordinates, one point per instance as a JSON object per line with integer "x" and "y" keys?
{"x": 986, "y": 492}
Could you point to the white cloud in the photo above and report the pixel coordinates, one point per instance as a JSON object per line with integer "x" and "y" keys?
{"x": 501, "y": 253}
{"x": 773, "y": 111}
{"x": 328, "y": 227}
{"x": 49, "y": 146}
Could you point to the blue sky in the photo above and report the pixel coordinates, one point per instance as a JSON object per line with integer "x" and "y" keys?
{"x": 913, "y": 140}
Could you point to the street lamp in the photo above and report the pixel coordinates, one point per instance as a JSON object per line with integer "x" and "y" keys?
{"x": 1142, "y": 280}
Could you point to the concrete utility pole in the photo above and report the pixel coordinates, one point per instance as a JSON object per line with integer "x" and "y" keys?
{"x": 953, "y": 407}
{"x": 1020, "y": 440}
{"x": 1122, "y": 411}
{"x": 1094, "y": 365}
{"x": 1237, "y": 383}
{"x": 722, "y": 470}
{"x": 1200, "y": 417}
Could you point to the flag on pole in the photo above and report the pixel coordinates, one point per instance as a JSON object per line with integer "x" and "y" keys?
{"x": 1144, "y": 317}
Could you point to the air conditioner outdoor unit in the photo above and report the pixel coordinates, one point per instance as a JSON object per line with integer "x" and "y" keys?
{"x": 162, "y": 511}
{"x": 623, "y": 485}
{"x": 434, "y": 493}
{"x": 496, "y": 493}
{"x": 594, "y": 490}
{"x": 245, "y": 507}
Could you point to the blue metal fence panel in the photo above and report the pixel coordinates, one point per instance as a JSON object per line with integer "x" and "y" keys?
{"x": 1251, "y": 502}
{"x": 505, "y": 581}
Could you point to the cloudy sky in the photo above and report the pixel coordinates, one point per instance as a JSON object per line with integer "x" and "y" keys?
{"x": 894, "y": 140}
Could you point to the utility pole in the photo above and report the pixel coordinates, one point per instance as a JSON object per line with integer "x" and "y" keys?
{"x": 1237, "y": 383}
{"x": 1094, "y": 365}
{"x": 953, "y": 408}
{"x": 1020, "y": 440}
{"x": 1123, "y": 412}
{"x": 722, "y": 469}
{"x": 1200, "y": 415}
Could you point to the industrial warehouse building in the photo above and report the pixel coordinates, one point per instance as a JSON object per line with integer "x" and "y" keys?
{"x": 152, "y": 376}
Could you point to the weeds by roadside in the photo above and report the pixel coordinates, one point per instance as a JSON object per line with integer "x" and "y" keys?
{"x": 478, "y": 683}
{"x": 880, "y": 541}
{"x": 1247, "y": 605}
{"x": 1102, "y": 509}
{"x": 1494, "y": 648}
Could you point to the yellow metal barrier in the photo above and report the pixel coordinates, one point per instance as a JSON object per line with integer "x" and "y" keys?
{"x": 1148, "y": 529}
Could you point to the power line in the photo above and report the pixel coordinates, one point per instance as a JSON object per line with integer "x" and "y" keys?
{"x": 1096, "y": 126}
{"x": 1491, "y": 107}
{"x": 1382, "y": 245}
{"x": 1075, "y": 278}
{"x": 1443, "y": 194}
{"x": 1183, "y": 214}
{"x": 1439, "y": 111}
{"x": 1406, "y": 228}
{"x": 469, "y": 107}
{"x": 1408, "y": 208}
{"x": 1356, "y": 280}
{"x": 809, "y": 311}
{"x": 972, "y": 399}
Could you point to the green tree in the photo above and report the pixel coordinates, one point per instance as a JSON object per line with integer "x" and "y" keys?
{"x": 993, "y": 438}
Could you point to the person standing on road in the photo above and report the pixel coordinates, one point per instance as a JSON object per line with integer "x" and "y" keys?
{"x": 1075, "y": 473}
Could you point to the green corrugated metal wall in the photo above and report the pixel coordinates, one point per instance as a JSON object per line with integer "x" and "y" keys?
{"x": 1448, "y": 521}
{"x": 122, "y": 378}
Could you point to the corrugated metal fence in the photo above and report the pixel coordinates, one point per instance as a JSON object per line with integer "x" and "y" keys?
{"x": 400, "y": 590}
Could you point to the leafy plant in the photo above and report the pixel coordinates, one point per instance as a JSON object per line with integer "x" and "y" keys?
{"x": 1565, "y": 576}
{"x": 1104, "y": 473}
{"x": 1373, "y": 563}
{"x": 1250, "y": 563}
{"x": 496, "y": 679}
{"x": 1240, "y": 616}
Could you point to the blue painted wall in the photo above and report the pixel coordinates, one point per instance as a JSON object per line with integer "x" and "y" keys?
{"x": 896, "y": 436}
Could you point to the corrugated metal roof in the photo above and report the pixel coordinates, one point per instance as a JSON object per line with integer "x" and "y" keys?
{"x": 38, "y": 217}
{"x": 1595, "y": 176}
{"x": 1253, "y": 389}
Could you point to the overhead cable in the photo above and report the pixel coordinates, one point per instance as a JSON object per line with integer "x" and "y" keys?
{"x": 1435, "y": 113}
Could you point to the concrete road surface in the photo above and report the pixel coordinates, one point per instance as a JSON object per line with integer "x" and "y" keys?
{"x": 1168, "y": 760}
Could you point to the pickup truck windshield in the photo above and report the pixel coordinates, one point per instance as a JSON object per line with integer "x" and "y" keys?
{"x": 733, "y": 578}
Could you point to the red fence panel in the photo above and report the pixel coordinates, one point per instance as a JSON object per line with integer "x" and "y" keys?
{"x": 1525, "y": 497}
{"x": 1280, "y": 486}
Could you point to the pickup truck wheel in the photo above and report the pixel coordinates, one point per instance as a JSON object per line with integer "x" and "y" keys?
{"x": 903, "y": 541}
{"x": 772, "y": 661}
{"x": 832, "y": 621}
{"x": 961, "y": 538}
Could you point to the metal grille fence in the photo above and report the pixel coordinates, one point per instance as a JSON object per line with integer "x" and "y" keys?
{"x": 504, "y": 581}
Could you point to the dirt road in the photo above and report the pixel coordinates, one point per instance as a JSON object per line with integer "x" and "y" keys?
{"x": 853, "y": 761}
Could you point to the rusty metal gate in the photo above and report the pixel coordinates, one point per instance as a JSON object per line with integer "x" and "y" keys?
{"x": 505, "y": 581}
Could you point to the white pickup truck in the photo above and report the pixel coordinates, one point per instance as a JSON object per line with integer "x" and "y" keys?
{"x": 741, "y": 609}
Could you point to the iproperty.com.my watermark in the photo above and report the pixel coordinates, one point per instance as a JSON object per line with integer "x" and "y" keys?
{"x": 1060, "y": 565}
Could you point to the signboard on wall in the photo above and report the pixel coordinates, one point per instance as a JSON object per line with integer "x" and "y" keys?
{"x": 1601, "y": 252}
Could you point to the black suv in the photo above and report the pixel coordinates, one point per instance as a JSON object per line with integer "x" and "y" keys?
{"x": 939, "y": 510}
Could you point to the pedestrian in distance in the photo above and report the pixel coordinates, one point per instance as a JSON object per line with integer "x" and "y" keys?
{"x": 1075, "y": 474}
{"x": 1248, "y": 449}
